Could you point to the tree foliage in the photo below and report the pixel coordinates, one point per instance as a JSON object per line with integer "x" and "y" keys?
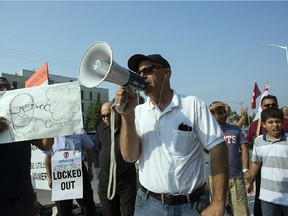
{"x": 141, "y": 99}
{"x": 93, "y": 118}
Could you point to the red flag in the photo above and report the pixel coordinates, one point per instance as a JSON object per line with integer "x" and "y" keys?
{"x": 265, "y": 93}
{"x": 256, "y": 93}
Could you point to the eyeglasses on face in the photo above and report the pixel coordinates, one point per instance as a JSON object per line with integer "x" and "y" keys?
{"x": 270, "y": 105}
{"x": 149, "y": 69}
{"x": 106, "y": 116}
{"x": 26, "y": 108}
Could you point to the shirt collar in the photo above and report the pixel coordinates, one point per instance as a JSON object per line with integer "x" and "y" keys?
{"x": 281, "y": 138}
{"x": 174, "y": 102}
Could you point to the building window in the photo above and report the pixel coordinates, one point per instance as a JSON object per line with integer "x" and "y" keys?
{"x": 82, "y": 107}
{"x": 91, "y": 96}
{"x": 82, "y": 94}
{"x": 15, "y": 85}
{"x": 51, "y": 81}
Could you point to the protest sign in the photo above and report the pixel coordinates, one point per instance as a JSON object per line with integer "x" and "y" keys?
{"x": 41, "y": 112}
{"x": 39, "y": 176}
{"x": 67, "y": 181}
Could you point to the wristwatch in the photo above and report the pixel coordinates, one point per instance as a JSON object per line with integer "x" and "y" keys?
{"x": 245, "y": 170}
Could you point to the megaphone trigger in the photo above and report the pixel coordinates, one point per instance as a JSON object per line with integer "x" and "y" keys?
{"x": 120, "y": 107}
{"x": 122, "y": 98}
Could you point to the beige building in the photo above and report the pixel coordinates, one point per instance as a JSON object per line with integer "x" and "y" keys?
{"x": 88, "y": 95}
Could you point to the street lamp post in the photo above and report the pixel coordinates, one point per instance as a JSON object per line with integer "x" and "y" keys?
{"x": 282, "y": 47}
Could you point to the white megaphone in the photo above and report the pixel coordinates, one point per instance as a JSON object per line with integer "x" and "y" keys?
{"x": 97, "y": 65}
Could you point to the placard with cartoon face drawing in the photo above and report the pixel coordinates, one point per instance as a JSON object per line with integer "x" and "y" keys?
{"x": 41, "y": 112}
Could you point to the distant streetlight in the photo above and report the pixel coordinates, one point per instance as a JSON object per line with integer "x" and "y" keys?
{"x": 282, "y": 47}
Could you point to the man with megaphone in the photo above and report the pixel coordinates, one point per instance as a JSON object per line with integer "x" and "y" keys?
{"x": 167, "y": 135}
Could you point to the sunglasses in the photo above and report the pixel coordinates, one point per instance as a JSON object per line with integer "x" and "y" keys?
{"x": 270, "y": 105}
{"x": 149, "y": 69}
{"x": 106, "y": 116}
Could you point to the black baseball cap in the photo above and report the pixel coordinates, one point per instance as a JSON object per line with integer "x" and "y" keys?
{"x": 134, "y": 61}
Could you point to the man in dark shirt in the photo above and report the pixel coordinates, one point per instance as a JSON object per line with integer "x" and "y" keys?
{"x": 125, "y": 194}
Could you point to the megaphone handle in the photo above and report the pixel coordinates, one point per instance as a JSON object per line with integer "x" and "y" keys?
{"x": 120, "y": 107}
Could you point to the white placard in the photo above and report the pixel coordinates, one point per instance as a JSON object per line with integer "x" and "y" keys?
{"x": 39, "y": 176}
{"x": 41, "y": 112}
{"x": 67, "y": 181}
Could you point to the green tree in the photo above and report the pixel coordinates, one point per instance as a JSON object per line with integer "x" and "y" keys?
{"x": 141, "y": 98}
{"x": 93, "y": 118}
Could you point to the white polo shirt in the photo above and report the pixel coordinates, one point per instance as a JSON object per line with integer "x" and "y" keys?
{"x": 171, "y": 160}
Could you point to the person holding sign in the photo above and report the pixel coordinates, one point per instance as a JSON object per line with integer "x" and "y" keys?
{"x": 238, "y": 160}
{"x": 16, "y": 191}
{"x": 65, "y": 173}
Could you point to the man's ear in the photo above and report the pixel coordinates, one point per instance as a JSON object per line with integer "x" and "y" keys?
{"x": 168, "y": 72}
{"x": 263, "y": 124}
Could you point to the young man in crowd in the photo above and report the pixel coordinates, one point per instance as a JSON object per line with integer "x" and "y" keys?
{"x": 238, "y": 163}
{"x": 270, "y": 153}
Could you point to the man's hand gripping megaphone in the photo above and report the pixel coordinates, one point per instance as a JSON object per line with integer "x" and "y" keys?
{"x": 125, "y": 101}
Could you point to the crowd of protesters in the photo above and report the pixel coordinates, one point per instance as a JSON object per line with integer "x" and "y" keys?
{"x": 164, "y": 138}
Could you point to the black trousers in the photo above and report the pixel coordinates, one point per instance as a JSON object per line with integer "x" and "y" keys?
{"x": 64, "y": 207}
{"x": 123, "y": 202}
{"x": 257, "y": 201}
{"x": 18, "y": 206}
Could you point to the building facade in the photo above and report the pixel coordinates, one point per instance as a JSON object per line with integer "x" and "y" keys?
{"x": 88, "y": 95}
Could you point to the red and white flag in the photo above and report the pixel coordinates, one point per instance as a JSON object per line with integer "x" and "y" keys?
{"x": 256, "y": 93}
{"x": 257, "y": 116}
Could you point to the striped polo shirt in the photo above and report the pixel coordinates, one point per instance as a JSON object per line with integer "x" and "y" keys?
{"x": 274, "y": 172}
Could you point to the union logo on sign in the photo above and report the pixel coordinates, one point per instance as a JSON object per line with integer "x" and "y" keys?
{"x": 66, "y": 154}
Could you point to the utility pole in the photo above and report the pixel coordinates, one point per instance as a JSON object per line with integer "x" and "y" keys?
{"x": 242, "y": 102}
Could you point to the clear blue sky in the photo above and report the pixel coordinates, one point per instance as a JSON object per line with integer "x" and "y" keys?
{"x": 214, "y": 48}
